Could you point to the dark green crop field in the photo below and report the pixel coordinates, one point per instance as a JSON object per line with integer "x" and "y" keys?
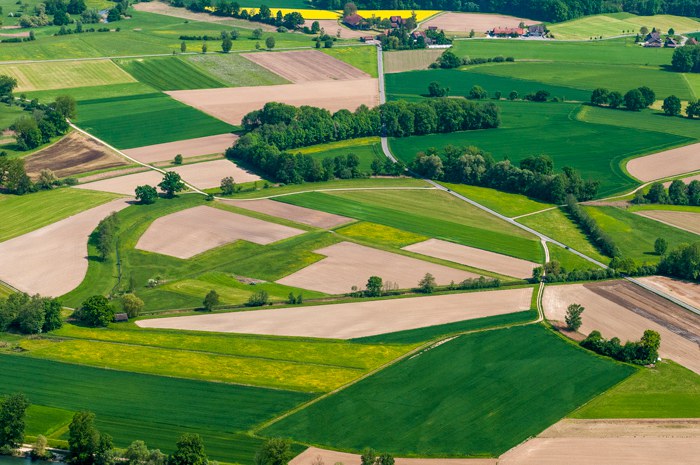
{"x": 169, "y": 73}
{"x": 476, "y": 395}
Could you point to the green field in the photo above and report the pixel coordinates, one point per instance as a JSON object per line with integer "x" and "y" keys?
{"x": 502, "y": 202}
{"x": 541, "y": 378}
{"x": 363, "y": 58}
{"x": 610, "y": 25}
{"x": 235, "y": 70}
{"x": 46, "y": 420}
{"x": 93, "y": 92}
{"x": 335, "y": 185}
{"x": 170, "y": 73}
{"x": 666, "y": 391}
{"x": 65, "y": 74}
{"x": 138, "y": 120}
{"x": 568, "y": 260}
{"x": 650, "y": 120}
{"x": 431, "y": 213}
{"x": 380, "y": 234}
{"x": 132, "y": 406}
{"x": 24, "y": 213}
{"x": 367, "y": 149}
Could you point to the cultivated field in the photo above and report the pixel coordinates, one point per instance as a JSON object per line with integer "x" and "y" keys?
{"x": 315, "y": 218}
{"x": 331, "y": 27}
{"x": 610, "y": 25}
{"x": 409, "y": 60}
{"x": 169, "y": 73}
{"x": 306, "y": 66}
{"x": 124, "y": 185}
{"x": 686, "y": 291}
{"x": 74, "y": 154}
{"x": 234, "y": 70}
{"x": 52, "y": 260}
{"x": 190, "y": 232}
{"x": 619, "y": 309}
{"x": 664, "y": 164}
{"x": 309, "y": 457}
{"x": 683, "y": 220}
{"x": 66, "y": 74}
{"x": 465, "y": 22}
{"x": 358, "y": 319}
{"x": 348, "y": 264}
{"x": 231, "y": 105}
{"x": 187, "y": 148}
{"x": 477, "y": 258}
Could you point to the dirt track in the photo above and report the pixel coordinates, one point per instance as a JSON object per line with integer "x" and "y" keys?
{"x": 465, "y": 22}
{"x": 684, "y": 220}
{"x": 665, "y": 164}
{"x": 357, "y": 319}
{"x": 231, "y": 104}
{"x": 52, "y": 260}
{"x": 186, "y": 148}
{"x": 74, "y": 154}
{"x": 348, "y": 264}
{"x": 330, "y": 457}
{"x": 306, "y": 66}
{"x": 315, "y": 218}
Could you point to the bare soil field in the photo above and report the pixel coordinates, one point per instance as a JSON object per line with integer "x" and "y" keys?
{"x": 356, "y": 319}
{"x": 409, "y": 60}
{"x": 315, "y": 218}
{"x": 348, "y": 264}
{"x": 683, "y": 220}
{"x": 624, "y": 428}
{"x": 465, "y": 22}
{"x": 111, "y": 174}
{"x": 666, "y": 163}
{"x": 331, "y": 26}
{"x": 186, "y": 148}
{"x": 682, "y": 290}
{"x": 231, "y": 104}
{"x": 470, "y": 256}
{"x": 74, "y": 154}
{"x": 306, "y": 66}
{"x": 621, "y": 309}
{"x": 190, "y": 232}
{"x": 310, "y": 455}
{"x": 124, "y": 185}
{"x": 52, "y": 260}
{"x": 167, "y": 10}
{"x": 16, "y": 34}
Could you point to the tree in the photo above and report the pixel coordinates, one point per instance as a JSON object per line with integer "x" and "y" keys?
{"x": 270, "y": 43}
{"x": 634, "y": 100}
{"x": 573, "y": 316}
{"x": 177, "y": 160}
{"x": 368, "y": 457}
{"x": 478, "y": 93}
{"x": 315, "y": 27}
{"x": 678, "y": 193}
{"x": 672, "y": 106}
{"x": 52, "y": 315}
{"x": 349, "y": 9}
{"x": 146, "y": 194}
{"x": 96, "y": 311}
{"x": 27, "y": 133}
{"x": 600, "y": 96}
{"x": 171, "y": 183}
{"x": 105, "y": 453}
{"x": 13, "y": 410}
{"x": 76, "y": 7}
{"x": 132, "y": 305}
{"x": 436, "y": 90}
{"x": 83, "y": 439}
{"x": 693, "y": 109}
{"x": 113, "y": 15}
{"x": 204, "y": 47}
{"x": 7, "y": 85}
{"x": 226, "y": 44}
{"x": 648, "y": 95}
{"x": 228, "y": 186}
{"x": 650, "y": 342}
{"x": 615, "y": 99}
{"x": 513, "y": 95}
{"x": 657, "y": 194}
{"x": 427, "y": 284}
{"x": 374, "y": 286}
{"x": 189, "y": 451}
{"x": 258, "y": 299}
{"x": 39, "y": 451}
{"x": 671, "y": 32}
{"x": 660, "y": 246}
{"x": 31, "y": 316}
{"x": 66, "y": 106}
{"x": 138, "y": 454}
{"x": 449, "y": 60}
{"x": 643, "y": 31}
{"x": 183, "y": 46}
{"x": 275, "y": 451}
{"x": 47, "y": 180}
{"x": 256, "y": 34}
{"x": 211, "y": 300}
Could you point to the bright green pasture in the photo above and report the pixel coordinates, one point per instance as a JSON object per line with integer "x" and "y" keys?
{"x": 569, "y": 260}
{"x": 380, "y": 234}
{"x": 429, "y": 213}
{"x": 93, "y": 92}
{"x": 415, "y": 83}
{"x": 169, "y": 73}
{"x": 656, "y": 206}
{"x": 649, "y": 120}
{"x": 529, "y": 128}
{"x": 24, "y": 213}
{"x": 611, "y": 25}
{"x": 235, "y": 70}
{"x": 5, "y": 291}
{"x": 65, "y": 75}
{"x": 135, "y": 121}
{"x": 367, "y": 149}
{"x": 8, "y": 115}
{"x": 336, "y": 184}
{"x": 46, "y": 420}
{"x": 635, "y": 234}
{"x": 693, "y": 80}
{"x": 502, "y": 202}
{"x": 541, "y": 378}
{"x": 666, "y": 391}
{"x": 362, "y": 58}
{"x": 132, "y": 406}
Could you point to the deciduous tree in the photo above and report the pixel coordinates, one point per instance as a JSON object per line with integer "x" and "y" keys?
{"x": 573, "y": 316}
{"x": 13, "y": 410}
{"x": 171, "y": 184}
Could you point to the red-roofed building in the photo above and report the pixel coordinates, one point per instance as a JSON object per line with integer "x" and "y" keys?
{"x": 507, "y": 32}
{"x": 355, "y": 21}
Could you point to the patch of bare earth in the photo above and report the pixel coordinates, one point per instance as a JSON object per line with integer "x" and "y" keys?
{"x": 622, "y": 309}
{"x": 409, "y": 60}
{"x": 186, "y": 148}
{"x": 685, "y": 291}
{"x": 348, "y": 264}
{"x": 664, "y": 164}
{"x": 306, "y": 66}
{"x": 480, "y": 22}
{"x": 688, "y": 221}
{"x": 190, "y": 232}
{"x": 315, "y": 218}
{"x": 477, "y": 258}
{"x": 310, "y": 455}
{"x": 74, "y": 154}
{"x": 167, "y": 10}
{"x": 52, "y": 260}
{"x": 231, "y": 104}
{"x": 357, "y": 319}
{"x": 17, "y": 34}
{"x": 331, "y": 26}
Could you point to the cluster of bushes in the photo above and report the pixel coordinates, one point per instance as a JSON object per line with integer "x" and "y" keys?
{"x": 45, "y": 122}
{"x": 553, "y": 272}
{"x": 682, "y": 262}
{"x": 79, "y": 29}
{"x": 234, "y": 36}
{"x": 678, "y": 193}
{"x": 633, "y": 100}
{"x": 686, "y": 59}
{"x": 30, "y": 314}
{"x": 598, "y": 237}
{"x": 377, "y": 287}
{"x": 643, "y": 352}
{"x": 449, "y": 60}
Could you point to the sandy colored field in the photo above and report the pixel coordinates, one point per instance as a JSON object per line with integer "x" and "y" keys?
{"x": 17, "y": 34}
{"x": 186, "y": 148}
{"x": 308, "y": 457}
{"x": 620, "y": 309}
{"x": 409, "y": 60}
{"x": 688, "y": 221}
{"x": 470, "y": 256}
{"x": 52, "y": 260}
{"x": 167, "y": 10}
{"x": 348, "y": 264}
{"x": 74, "y": 154}
{"x": 357, "y": 319}
{"x": 682, "y": 290}
{"x": 315, "y": 218}
{"x": 306, "y": 66}
{"x": 465, "y": 22}
{"x": 65, "y": 74}
{"x": 666, "y": 163}
{"x": 331, "y": 26}
{"x": 231, "y": 104}
{"x": 190, "y": 232}
{"x": 202, "y": 175}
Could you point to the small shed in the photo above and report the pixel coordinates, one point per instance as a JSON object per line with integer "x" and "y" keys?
{"x": 121, "y": 317}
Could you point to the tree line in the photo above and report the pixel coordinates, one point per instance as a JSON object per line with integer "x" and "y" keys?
{"x": 678, "y": 193}
{"x": 554, "y": 272}
{"x": 642, "y": 352}
{"x": 590, "y": 227}
{"x": 29, "y": 314}
{"x": 682, "y": 262}
{"x": 634, "y": 100}
{"x": 448, "y": 60}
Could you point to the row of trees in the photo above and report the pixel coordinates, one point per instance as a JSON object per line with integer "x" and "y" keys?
{"x": 554, "y": 272}
{"x": 642, "y": 352}
{"x": 264, "y": 14}
{"x": 678, "y": 193}
{"x": 449, "y": 60}
{"x": 682, "y": 262}
{"x": 104, "y": 237}
{"x": 595, "y": 233}
{"x": 377, "y": 287}
{"x": 30, "y": 314}
{"x": 634, "y": 100}
{"x": 171, "y": 184}
{"x": 686, "y": 59}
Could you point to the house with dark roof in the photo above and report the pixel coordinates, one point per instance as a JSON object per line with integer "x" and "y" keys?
{"x": 670, "y": 42}
{"x": 536, "y": 30}
{"x": 653, "y": 40}
{"x": 355, "y": 21}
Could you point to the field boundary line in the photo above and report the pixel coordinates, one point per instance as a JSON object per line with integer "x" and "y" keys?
{"x": 406, "y": 188}
{"x": 534, "y": 213}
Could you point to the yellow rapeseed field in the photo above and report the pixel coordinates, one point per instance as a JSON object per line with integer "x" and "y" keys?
{"x": 421, "y": 15}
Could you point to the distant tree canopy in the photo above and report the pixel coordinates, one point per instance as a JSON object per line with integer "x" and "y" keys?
{"x": 686, "y": 59}
{"x": 30, "y": 315}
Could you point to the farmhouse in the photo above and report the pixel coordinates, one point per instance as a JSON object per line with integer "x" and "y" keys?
{"x": 416, "y": 35}
{"x": 537, "y": 30}
{"x": 670, "y": 43}
{"x": 397, "y": 21}
{"x": 653, "y": 40}
{"x": 506, "y": 32}
{"x": 355, "y": 21}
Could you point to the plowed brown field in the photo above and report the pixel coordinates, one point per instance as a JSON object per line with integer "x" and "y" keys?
{"x": 306, "y": 66}
{"x": 666, "y": 163}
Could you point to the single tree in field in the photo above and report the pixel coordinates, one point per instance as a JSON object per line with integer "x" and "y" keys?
{"x": 226, "y": 44}
{"x": 171, "y": 183}
{"x": 204, "y": 47}
{"x": 211, "y": 300}
{"x": 660, "y": 246}
{"x": 178, "y": 159}
{"x": 132, "y": 305}
{"x": 650, "y": 342}
{"x": 146, "y": 195}
{"x": 183, "y": 46}
{"x": 13, "y": 411}
{"x": 634, "y": 100}
{"x": 436, "y": 90}
{"x": 573, "y": 317}
{"x": 274, "y": 451}
{"x": 427, "y": 284}
{"x": 643, "y": 31}
{"x": 7, "y": 85}
{"x": 315, "y": 27}
{"x": 513, "y": 95}
{"x": 270, "y": 43}
{"x": 478, "y": 93}
{"x": 96, "y": 311}
{"x": 83, "y": 439}
{"x": 228, "y": 186}
{"x": 671, "y": 32}
{"x": 189, "y": 451}
{"x": 257, "y": 34}
{"x": 374, "y": 286}
{"x": 672, "y": 105}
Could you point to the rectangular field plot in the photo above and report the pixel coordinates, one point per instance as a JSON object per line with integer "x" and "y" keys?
{"x": 306, "y": 66}
{"x": 487, "y": 392}
{"x": 187, "y": 148}
{"x": 65, "y": 74}
{"x": 168, "y": 73}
